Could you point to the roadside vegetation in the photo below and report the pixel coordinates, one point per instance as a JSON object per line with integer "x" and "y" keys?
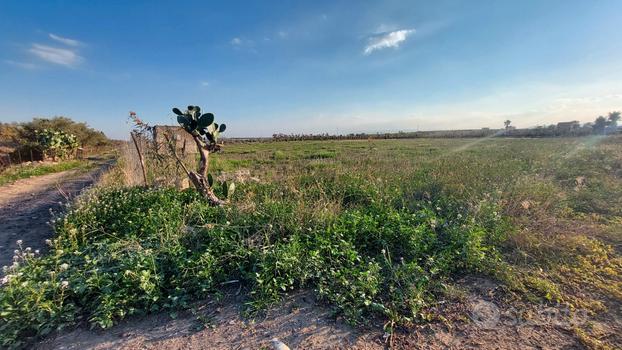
{"x": 380, "y": 230}
{"x": 42, "y": 139}
{"x": 43, "y": 146}
{"x": 23, "y": 171}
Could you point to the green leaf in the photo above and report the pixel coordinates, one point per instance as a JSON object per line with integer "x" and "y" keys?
{"x": 209, "y": 137}
{"x": 182, "y": 119}
{"x": 210, "y": 180}
{"x": 177, "y": 111}
{"x": 222, "y": 127}
{"x": 225, "y": 188}
{"x": 195, "y": 111}
{"x": 190, "y": 126}
{"x": 205, "y": 120}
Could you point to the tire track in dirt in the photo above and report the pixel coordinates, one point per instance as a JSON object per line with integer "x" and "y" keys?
{"x": 26, "y": 205}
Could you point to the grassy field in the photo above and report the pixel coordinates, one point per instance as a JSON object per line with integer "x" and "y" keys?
{"x": 380, "y": 230}
{"x": 16, "y": 172}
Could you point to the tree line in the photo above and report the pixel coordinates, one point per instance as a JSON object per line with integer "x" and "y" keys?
{"x": 600, "y": 126}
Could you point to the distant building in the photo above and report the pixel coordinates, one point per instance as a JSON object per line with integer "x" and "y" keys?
{"x": 183, "y": 140}
{"x": 567, "y": 127}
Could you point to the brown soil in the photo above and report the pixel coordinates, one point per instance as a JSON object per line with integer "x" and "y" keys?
{"x": 480, "y": 321}
{"x": 26, "y": 205}
{"x": 486, "y": 319}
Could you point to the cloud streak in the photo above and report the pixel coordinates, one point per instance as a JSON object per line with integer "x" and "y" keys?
{"x": 387, "y": 40}
{"x": 66, "y": 41}
{"x": 64, "y": 57}
{"x": 25, "y": 65}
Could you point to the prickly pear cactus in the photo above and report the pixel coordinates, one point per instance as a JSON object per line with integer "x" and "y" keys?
{"x": 205, "y": 134}
{"x": 201, "y": 125}
{"x": 56, "y": 143}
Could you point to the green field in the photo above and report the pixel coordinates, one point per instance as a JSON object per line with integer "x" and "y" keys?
{"x": 379, "y": 230}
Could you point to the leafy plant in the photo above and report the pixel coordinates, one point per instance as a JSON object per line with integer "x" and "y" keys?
{"x": 56, "y": 143}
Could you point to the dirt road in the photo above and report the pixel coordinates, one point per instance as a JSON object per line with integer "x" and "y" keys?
{"x": 25, "y": 207}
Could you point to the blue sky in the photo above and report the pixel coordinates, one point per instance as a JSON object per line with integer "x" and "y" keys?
{"x": 316, "y": 66}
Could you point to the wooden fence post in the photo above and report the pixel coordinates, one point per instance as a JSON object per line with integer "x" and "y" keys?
{"x": 140, "y": 157}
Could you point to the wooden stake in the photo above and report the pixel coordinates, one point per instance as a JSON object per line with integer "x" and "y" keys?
{"x": 140, "y": 157}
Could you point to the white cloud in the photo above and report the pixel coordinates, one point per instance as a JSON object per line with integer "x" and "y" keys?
{"x": 25, "y": 65}
{"x": 205, "y": 83}
{"x": 65, "y": 57}
{"x": 243, "y": 44}
{"x": 387, "y": 40}
{"x": 66, "y": 41}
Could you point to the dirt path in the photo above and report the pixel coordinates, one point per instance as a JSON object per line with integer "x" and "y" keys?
{"x": 25, "y": 207}
{"x": 298, "y": 321}
{"x": 479, "y": 322}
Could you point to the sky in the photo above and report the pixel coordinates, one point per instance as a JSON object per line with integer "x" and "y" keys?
{"x": 265, "y": 67}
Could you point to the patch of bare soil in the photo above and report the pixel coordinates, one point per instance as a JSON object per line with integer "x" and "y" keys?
{"x": 26, "y": 205}
{"x": 481, "y": 321}
{"x": 298, "y": 322}
{"x": 486, "y": 319}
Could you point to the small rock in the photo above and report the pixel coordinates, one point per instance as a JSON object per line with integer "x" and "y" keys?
{"x": 278, "y": 345}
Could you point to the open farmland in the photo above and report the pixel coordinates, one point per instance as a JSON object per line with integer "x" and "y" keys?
{"x": 388, "y": 234}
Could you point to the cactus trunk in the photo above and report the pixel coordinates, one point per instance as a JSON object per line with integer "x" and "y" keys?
{"x": 200, "y": 183}
{"x": 199, "y": 178}
{"x": 204, "y": 153}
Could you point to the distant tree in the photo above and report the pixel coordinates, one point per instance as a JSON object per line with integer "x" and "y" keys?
{"x": 85, "y": 135}
{"x": 9, "y": 134}
{"x": 599, "y": 125}
{"x": 507, "y": 124}
{"x": 614, "y": 117}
